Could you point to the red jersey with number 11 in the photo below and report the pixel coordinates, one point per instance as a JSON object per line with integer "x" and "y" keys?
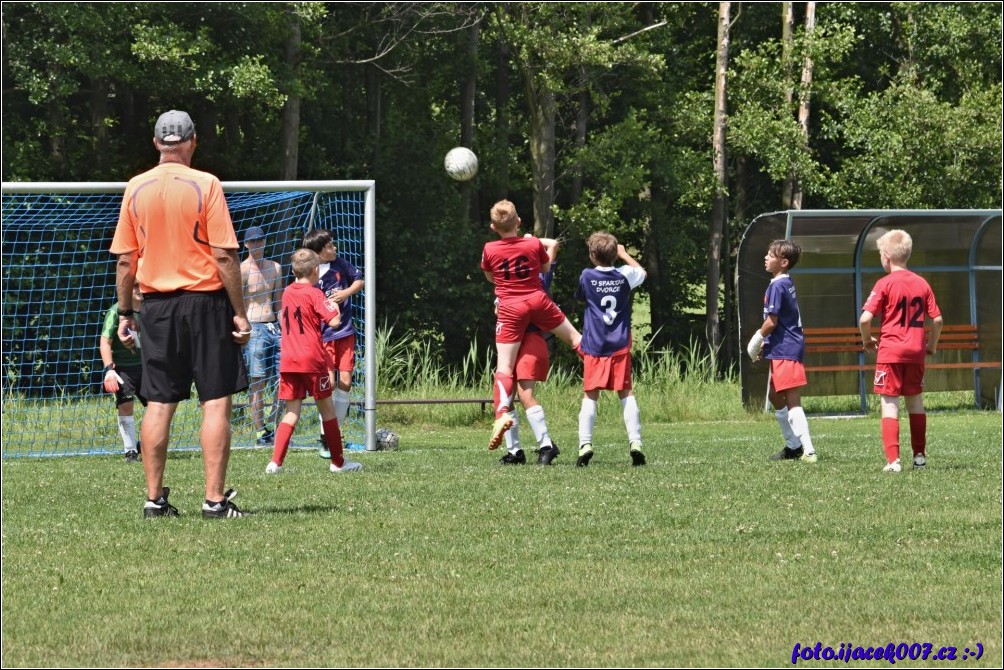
{"x": 515, "y": 264}
{"x": 901, "y": 300}
{"x": 304, "y": 307}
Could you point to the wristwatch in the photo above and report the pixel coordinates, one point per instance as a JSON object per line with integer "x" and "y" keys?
{"x": 110, "y": 366}
{"x": 126, "y": 312}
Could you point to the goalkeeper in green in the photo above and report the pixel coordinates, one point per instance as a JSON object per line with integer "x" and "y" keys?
{"x": 123, "y": 374}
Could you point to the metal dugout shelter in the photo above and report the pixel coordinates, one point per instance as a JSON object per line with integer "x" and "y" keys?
{"x": 957, "y": 251}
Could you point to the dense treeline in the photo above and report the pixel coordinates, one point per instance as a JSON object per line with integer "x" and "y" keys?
{"x": 588, "y": 116}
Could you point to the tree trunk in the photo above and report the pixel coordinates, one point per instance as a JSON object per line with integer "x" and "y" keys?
{"x": 787, "y": 41}
{"x": 804, "y": 95}
{"x": 718, "y": 208}
{"x": 373, "y": 107}
{"x": 542, "y": 138}
{"x": 99, "y": 112}
{"x": 467, "y": 109}
{"x": 581, "y": 121}
{"x": 502, "y": 93}
{"x": 290, "y": 133}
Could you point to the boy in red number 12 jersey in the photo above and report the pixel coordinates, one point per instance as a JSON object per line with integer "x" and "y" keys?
{"x": 902, "y": 300}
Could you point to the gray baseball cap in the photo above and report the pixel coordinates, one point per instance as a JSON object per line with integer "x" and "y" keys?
{"x": 254, "y": 233}
{"x": 173, "y": 127}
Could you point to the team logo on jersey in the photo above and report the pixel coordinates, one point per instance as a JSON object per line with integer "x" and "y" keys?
{"x": 880, "y": 377}
{"x": 331, "y": 305}
{"x": 498, "y": 328}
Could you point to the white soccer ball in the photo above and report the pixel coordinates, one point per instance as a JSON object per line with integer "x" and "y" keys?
{"x": 386, "y": 440}
{"x": 461, "y": 163}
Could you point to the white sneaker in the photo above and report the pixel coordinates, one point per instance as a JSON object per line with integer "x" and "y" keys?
{"x": 273, "y": 468}
{"x": 347, "y": 466}
{"x": 893, "y": 467}
{"x": 919, "y": 461}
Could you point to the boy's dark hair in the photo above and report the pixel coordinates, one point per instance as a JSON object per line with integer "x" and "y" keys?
{"x": 316, "y": 240}
{"x": 786, "y": 249}
{"x": 602, "y": 248}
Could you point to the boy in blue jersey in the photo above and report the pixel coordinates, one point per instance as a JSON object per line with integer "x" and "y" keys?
{"x": 780, "y": 340}
{"x": 606, "y": 340}
{"x": 340, "y": 280}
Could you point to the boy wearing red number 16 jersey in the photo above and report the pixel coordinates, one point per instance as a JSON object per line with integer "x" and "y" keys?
{"x": 902, "y": 300}
{"x": 303, "y": 367}
{"x": 514, "y": 264}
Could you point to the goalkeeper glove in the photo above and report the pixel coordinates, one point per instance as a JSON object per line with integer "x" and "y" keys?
{"x": 112, "y": 381}
{"x": 755, "y": 345}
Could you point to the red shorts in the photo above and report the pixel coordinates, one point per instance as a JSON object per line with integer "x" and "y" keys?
{"x": 898, "y": 379}
{"x": 516, "y": 314}
{"x": 533, "y": 360}
{"x": 786, "y": 375}
{"x": 341, "y": 354}
{"x": 298, "y": 385}
{"x": 607, "y": 373}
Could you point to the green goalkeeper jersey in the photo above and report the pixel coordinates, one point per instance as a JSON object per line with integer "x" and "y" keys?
{"x": 122, "y": 356}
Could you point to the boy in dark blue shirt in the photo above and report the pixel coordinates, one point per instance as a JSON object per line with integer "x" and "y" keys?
{"x": 780, "y": 340}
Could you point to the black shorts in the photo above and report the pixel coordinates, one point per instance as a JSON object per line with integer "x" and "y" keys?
{"x": 187, "y": 337}
{"x": 132, "y": 377}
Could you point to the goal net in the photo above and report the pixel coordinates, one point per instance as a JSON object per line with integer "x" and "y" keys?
{"x": 59, "y": 281}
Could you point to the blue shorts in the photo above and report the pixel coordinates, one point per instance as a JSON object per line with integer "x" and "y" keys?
{"x": 262, "y": 351}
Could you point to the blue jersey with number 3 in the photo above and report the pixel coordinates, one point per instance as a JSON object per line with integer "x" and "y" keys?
{"x": 606, "y": 328}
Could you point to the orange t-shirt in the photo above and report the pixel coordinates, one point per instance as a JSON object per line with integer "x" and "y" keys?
{"x": 171, "y": 217}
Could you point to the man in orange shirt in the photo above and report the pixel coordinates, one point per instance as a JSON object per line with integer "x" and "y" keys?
{"x": 175, "y": 237}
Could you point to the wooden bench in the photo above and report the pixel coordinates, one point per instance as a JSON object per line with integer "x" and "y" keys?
{"x": 848, "y": 340}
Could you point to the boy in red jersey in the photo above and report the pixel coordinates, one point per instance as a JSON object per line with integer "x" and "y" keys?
{"x": 532, "y": 363}
{"x": 902, "y": 299}
{"x": 303, "y": 366}
{"x": 514, "y": 263}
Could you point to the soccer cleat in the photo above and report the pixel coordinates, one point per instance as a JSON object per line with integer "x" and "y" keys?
{"x": 347, "y": 466}
{"x": 546, "y": 455}
{"x": 160, "y": 506}
{"x": 585, "y": 453}
{"x": 893, "y": 467}
{"x": 519, "y": 458}
{"x": 273, "y": 468}
{"x": 502, "y": 424}
{"x": 265, "y": 438}
{"x": 637, "y": 458}
{"x": 322, "y": 451}
{"x": 131, "y": 456}
{"x": 224, "y": 509}
{"x": 920, "y": 461}
{"x": 809, "y": 458}
{"x": 787, "y": 454}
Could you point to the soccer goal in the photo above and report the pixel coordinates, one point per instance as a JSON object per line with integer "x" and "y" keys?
{"x": 59, "y": 281}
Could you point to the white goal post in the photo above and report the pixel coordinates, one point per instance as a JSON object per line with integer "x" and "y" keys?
{"x": 59, "y": 280}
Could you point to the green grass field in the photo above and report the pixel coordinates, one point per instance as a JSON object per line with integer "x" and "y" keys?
{"x": 436, "y": 556}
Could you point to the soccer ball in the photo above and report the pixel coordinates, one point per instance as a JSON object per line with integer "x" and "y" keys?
{"x": 386, "y": 440}
{"x": 461, "y": 163}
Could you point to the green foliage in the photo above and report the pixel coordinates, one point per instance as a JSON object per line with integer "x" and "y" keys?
{"x": 905, "y": 102}
{"x": 906, "y": 148}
